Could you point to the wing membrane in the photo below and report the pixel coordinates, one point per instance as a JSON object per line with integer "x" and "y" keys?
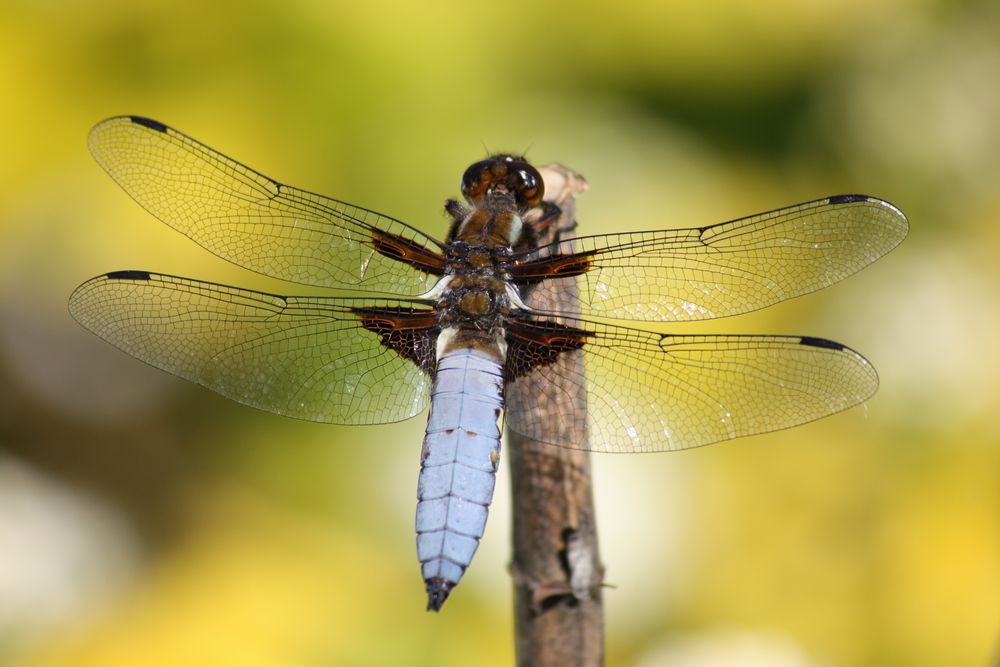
{"x": 650, "y": 392}
{"x": 254, "y": 221}
{"x": 725, "y": 269}
{"x": 309, "y": 358}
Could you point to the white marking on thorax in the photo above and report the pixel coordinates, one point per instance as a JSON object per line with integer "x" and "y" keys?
{"x": 516, "y": 226}
{"x": 444, "y": 340}
{"x": 502, "y": 346}
{"x": 448, "y": 334}
{"x": 435, "y": 293}
{"x": 515, "y": 298}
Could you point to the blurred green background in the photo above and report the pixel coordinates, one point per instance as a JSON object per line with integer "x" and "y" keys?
{"x": 144, "y": 521}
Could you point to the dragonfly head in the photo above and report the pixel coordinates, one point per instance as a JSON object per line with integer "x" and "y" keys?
{"x": 503, "y": 173}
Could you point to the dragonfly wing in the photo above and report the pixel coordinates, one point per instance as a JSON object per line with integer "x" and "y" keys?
{"x": 258, "y": 223}
{"x": 725, "y": 269}
{"x": 344, "y": 361}
{"x": 643, "y": 391}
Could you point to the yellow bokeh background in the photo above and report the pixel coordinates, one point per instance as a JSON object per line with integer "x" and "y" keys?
{"x": 144, "y": 521}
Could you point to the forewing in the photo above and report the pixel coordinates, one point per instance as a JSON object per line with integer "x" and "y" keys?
{"x": 258, "y": 223}
{"x": 321, "y": 359}
{"x": 647, "y": 392}
{"x": 726, "y": 269}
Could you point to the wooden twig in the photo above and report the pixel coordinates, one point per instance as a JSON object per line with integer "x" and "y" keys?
{"x": 558, "y": 614}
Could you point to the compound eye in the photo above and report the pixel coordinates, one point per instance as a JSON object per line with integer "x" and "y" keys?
{"x": 476, "y": 181}
{"x": 529, "y": 188}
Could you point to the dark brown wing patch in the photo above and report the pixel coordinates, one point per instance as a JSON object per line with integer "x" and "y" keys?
{"x": 410, "y": 332}
{"x": 557, "y": 266}
{"x": 531, "y": 345}
{"x": 409, "y": 251}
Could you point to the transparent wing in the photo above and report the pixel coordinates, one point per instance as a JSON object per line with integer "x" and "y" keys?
{"x": 648, "y": 392}
{"x": 726, "y": 269}
{"x": 309, "y": 358}
{"x": 258, "y": 223}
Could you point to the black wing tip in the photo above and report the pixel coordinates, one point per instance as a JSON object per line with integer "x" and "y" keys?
{"x": 438, "y": 589}
{"x": 850, "y": 199}
{"x": 824, "y": 343}
{"x": 128, "y": 275}
{"x": 148, "y": 122}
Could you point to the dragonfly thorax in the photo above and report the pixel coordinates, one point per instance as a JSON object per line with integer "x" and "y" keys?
{"x": 496, "y": 223}
{"x": 478, "y": 300}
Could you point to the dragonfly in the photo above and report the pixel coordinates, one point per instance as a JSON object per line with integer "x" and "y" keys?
{"x": 455, "y": 325}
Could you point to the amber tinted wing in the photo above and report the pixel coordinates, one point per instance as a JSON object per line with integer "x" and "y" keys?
{"x": 256, "y": 222}
{"x": 725, "y": 269}
{"x": 322, "y": 359}
{"x": 650, "y": 392}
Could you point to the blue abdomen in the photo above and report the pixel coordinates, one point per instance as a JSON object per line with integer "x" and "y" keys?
{"x": 458, "y": 466}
